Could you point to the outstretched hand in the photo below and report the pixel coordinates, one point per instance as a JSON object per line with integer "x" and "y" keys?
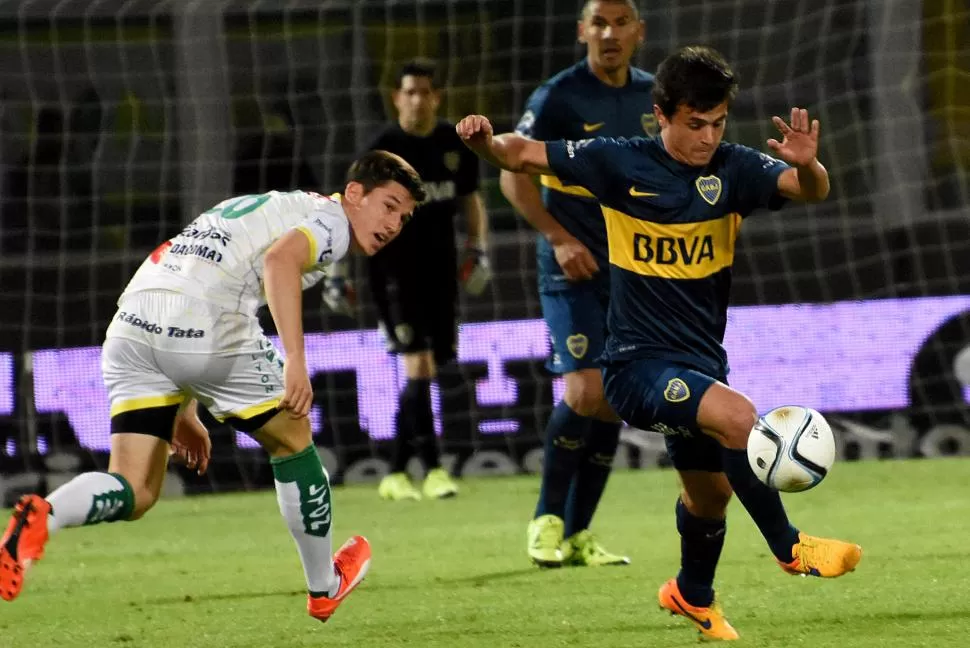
{"x": 799, "y": 147}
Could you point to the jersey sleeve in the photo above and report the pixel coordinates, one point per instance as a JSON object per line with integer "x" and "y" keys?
{"x": 540, "y": 121}
{"x": 329, "y": 237}
{"x": 756, "y": 180}
{"x": 596, "y": 164}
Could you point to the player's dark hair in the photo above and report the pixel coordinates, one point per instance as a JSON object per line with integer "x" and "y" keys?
{"x": 584, "y": 14}
{"x": 419, "y": 67}
{"x": 697, "y": 76}
{"x": 376, "y": 168}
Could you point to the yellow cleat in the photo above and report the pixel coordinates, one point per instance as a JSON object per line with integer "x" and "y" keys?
{"x": 439, "y": 484}
{"x": 397, "y": 487}
{"x": 822, "y": 557}
{"x": 545, "y": 541}
{"x": 710, "y": 621}
{"x": 582, "y": 550}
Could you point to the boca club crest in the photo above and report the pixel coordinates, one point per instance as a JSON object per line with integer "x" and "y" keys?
{"x": 677, "y": 391}
{"x": 649, "y": 123}
{"x": 452, "y": 159}
{"x": 709, "y": 187}
{"x": 578, "y": 345}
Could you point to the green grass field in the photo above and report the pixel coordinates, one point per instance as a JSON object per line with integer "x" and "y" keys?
{"x": 222, "y": 571}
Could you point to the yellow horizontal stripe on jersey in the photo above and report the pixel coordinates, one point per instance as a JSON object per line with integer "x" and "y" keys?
{"x": 556, "y": 184}
{"x": 671, "y": 250}
{"x": 145, "y": 402}
{"x": 313, "y": 246}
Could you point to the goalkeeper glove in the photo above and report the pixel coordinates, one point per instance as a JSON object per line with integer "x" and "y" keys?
{"x": 339, "y": 296}
{"x": 474, "y": 272}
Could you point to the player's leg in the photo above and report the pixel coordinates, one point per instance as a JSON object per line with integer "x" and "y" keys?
{"x": 700, "y": 512}
{"x": 413, "y": 414}
{"x": 581, "y": 435}
{"x": 596, "y": 461}
{"x": 244, "y": 391}
{"x": 591, "y": 472}
{"x": 656, "y": 396}
{"x": 396, "y": 485}
{"x": 443, "y": 327}
{"x": 728, "y": 416}
{"x": 413, "y": 418}
{"x": 144, "y": 404}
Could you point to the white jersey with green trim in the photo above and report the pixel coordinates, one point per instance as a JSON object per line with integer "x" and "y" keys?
{"x": 218, "y": 257}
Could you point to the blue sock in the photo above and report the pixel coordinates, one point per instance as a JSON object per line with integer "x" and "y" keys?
{"x": 701, "y": 540}
{"x": 565, "y": 440}
{"x": 762, "y": 503}
{"x": 592, "y": 474}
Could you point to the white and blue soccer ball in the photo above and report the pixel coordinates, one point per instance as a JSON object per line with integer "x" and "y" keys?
{"x": 791, "y": 448}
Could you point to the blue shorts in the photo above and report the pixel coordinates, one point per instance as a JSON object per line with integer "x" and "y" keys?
{"x": 663, "y": 397}
{"x": 576, "y": 317}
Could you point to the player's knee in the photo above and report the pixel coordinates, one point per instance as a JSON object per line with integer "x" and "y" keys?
{"x": 144, "y": 499}
{"x": 584, "y": 394}
{"x": 283, "y": 436}
{"x": 707, "y": 498}
{"x": 584, "y": 402}
{"x": 738, "y": 423}
{"x": 420, "y": 365}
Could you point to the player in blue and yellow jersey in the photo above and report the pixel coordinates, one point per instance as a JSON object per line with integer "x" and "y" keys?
{"x": 673, "y": 206}
{"x": 601, "y": 95}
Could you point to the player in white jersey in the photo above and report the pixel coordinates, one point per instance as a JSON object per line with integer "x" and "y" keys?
{"x": 186, "y": 332}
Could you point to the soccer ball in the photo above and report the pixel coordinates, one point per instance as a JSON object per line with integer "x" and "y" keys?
{"x": 791, "y": 448}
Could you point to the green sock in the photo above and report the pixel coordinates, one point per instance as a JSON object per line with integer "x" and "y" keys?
{"x": 303, "y": 493}
{"x": 90, "y": 498}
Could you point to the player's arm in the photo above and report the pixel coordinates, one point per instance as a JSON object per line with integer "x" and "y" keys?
{"x": 807, "y": 180}
{"x": 574, "y": 258}
{"x": 283, "y": 266}
{"x": 474, "y": 271}
{"x": 473, "y": 208}
{"x": 509, "y": 151}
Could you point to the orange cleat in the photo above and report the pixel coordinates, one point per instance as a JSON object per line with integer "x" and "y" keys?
{"x": 709, "y": 621}
{"x": 351, "y": 562}
{"x": 822, "y": 557}
{"x": 22, "y": 543}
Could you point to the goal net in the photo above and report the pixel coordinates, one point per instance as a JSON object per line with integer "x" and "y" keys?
{"x": 122, "y": 119}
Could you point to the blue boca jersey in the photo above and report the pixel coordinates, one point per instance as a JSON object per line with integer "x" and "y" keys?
{"x": 574, "y": 104}
{"x": 672, "y": 229}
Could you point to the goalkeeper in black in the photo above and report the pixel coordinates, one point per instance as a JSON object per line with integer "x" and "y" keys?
{"x": 414, "y": 280}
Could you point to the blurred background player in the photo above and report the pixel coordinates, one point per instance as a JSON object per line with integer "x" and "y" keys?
{"x": 673, "y": 206}
{"x": 415, "y": 279}
{"x": 602, "y": 95}
{"x": 187, "y": 329}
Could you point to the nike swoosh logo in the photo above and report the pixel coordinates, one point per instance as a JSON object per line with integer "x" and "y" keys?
{"x": 706, "y": 623}
{"x": 641, "y": 194}
{"x": 589, "y": 128}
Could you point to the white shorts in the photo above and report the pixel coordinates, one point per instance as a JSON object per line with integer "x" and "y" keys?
{"x": 162, "y": 347}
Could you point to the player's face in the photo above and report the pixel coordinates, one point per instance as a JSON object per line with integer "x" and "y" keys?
{"x": 692, "y": 137}
{"x": 417, "y": 103}
{"x": 611, "y": 33}
{"x": 380, "y": 214}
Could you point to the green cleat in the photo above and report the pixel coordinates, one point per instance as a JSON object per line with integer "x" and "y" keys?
{"x": 439, "y": 484}
{"x": 545, "y": 540}
{"x": 582, "y": 550}
{"x": 397, "y": 487}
